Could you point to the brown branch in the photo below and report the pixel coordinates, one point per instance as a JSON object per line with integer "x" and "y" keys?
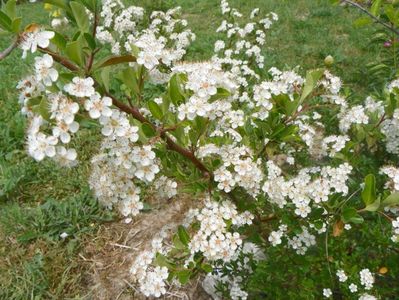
{"x": 90, "y": 61}
{"x": 8, "y": 51}
{"x": 61, "y": 60}
{"x": 135, "y": 113}
{"x": 364, "y": 10}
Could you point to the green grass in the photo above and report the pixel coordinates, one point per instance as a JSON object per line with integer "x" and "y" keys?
{"x": 40, "y": 201}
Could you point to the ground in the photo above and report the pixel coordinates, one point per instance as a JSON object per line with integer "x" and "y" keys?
{"x": 40, "y": 201}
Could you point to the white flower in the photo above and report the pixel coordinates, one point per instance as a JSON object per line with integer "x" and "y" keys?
{"x": 117, "y": 125}
{"x": 64, "y": 235}
{"x": 97, "y": 106}
{"x": 80, "y": 87}
{"x": 66, "y": 157}
{"x": 366, "y": 279}
{"x": 353, "y": 288}
{"x": 341, "y": 276}
{"x": 44, "y": 72}
{"x": 63, "y": 129}
{"x": 37, "y": 37}
{"x": 327, "y": 293}
{"x": 367, "y": 297}
{"x": 40, "y": 146}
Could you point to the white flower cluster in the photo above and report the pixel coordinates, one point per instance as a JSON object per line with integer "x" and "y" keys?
{"x": 246, "y": 43}
{"x": 302, "y": 189}
{"x": 354, "y": 115}
{"x": 331, "y": 83}
{"x": 233, "y": 282}
{"x": 165, "y": 187}
{"x": 302, "y": 241}
{"x": 213, "y": 238}
{"x": 366, "y": 279}
{"x": 238, "y": 169}
{"x": 51, "y": 115}
{"x": 114, "y": 170}
{"x": 282, "y": 83}
{"x": 151, "y": 279}
{"x": 334, "y": 143}
{"x": 393, "y": 174}
{"x": 164, "y": 41}
{"x": 395, "y": 227}
{"x": 203, "y": 81}
{"x": 390, "y": 128}
{"x": 342, "y": 277}
{"x": 393, "y": 85}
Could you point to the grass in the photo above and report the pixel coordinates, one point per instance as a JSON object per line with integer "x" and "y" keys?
{"x": 40, "y": 201}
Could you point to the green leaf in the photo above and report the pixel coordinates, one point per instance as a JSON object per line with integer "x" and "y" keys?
{"x": 148, "y": 130}
{"x": 16, "y": 25}
{"x": 90, "y": 40}
{"x": 175, "y": 93}
{"x": 312, "y": 77}
{"x": 375, "y": 8}
{"x": 369, "y": 193}
{"x": 391, "y": 200}
{"x": 105, "y": 79}
{"x": 129, "y": 78}
{"x": 59, "y": 3}
{"x": 155, "y": 110}
{"x": 9, "y": 8}
{"x": 74, "y": 51}
{"x": 79, "y": 13}
{"x": 59, "y": 41}
{"x": 183, "y": 235}
{"x": 207, "y": 268}
{"x": 183, "y": 276}
{"x": 350, "y": 215}
{"x": 373, "y": 206}
{"x": 5, "y": 21}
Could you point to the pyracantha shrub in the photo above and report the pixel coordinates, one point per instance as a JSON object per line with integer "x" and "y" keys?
{"x": 289, "y": 167}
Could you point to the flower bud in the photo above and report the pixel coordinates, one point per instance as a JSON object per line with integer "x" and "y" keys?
{"x": 329, "y": 61}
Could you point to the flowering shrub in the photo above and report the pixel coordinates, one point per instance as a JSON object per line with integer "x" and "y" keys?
{"x": 282, "y": 163}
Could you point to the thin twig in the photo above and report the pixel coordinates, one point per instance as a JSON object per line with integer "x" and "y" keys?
{"x": 364, "y": 10}
{"x": 8, "y": 51}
